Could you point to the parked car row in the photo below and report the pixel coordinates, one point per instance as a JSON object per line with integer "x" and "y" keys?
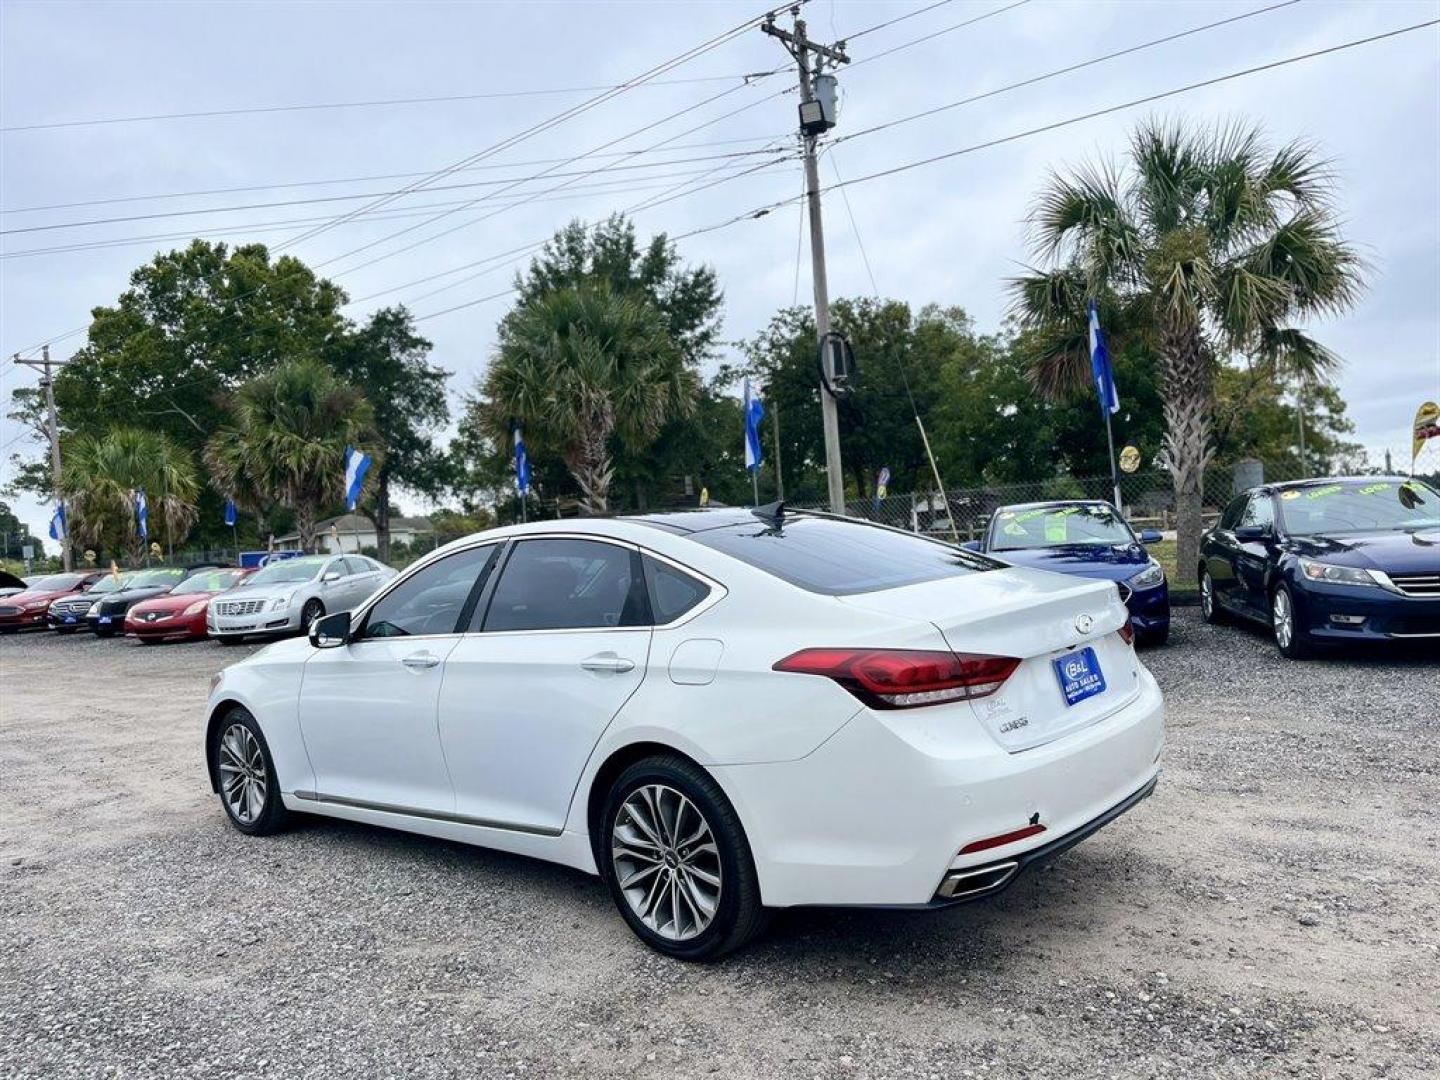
{"x": 178, "y": 603}
{"x": 1337, "y": 560}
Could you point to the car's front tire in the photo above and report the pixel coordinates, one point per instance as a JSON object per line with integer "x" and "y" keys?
{"x": 249, "y": 789}
{"x": 1291, "y": 638}
{"x": 312, "y": 610}
{"x": 677, "y": 862}
{"x": 1210, "y": 609}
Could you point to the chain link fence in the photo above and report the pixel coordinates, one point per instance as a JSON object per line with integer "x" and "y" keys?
{"x": 1147, "y": 498}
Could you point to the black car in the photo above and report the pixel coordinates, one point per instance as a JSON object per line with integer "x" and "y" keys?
{"x": 67, "y": 615}
{"x": 107, "y": 615}
{"x": 1337, "y": 560}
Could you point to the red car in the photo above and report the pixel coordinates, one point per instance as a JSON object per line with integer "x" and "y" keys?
{"x": 31, "y": 607}
{"x": 179, "y": 615}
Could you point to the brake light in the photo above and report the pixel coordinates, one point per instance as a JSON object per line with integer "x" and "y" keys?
{"x": 1127, "y": 632}
{"x": 905, "y": 678}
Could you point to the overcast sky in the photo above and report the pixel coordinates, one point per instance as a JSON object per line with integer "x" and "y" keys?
{"x": 949, "y": 232}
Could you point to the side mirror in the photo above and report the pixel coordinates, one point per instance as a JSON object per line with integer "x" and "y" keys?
{"x": 330, "y": 575}
{"x": 1151, "y": 536}
{"x": 330, "y": 632}
{"x": 1251, "y": 532}
{"x": 971, "y": 545}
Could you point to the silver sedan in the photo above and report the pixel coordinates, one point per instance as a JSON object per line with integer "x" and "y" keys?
{"x": 287, "y": 596}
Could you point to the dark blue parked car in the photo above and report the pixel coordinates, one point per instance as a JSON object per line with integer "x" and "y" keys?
{"x": 1334, "y": 560}
{"x": 1088, "y": 539}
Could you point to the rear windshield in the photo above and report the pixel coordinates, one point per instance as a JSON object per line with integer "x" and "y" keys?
{"x": 840, "y": 558}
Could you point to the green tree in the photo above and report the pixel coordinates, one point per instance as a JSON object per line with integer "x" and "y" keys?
{"x": 582, "y": 368}
{"x": 1209, "y": 244}
{"x": 285, "y": 442}
{"x": 14, "y": 535}
{"x": 193, "y": 324}
{"x": 101, "y": 475}
{"x": 388, "y": 362}
{"x": 688, "y": 300}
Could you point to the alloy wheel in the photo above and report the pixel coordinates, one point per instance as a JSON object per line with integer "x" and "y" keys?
{"x": 666, "y": 862}
{"x": 1283, "y": 617}
{"x": 243, "y": 780}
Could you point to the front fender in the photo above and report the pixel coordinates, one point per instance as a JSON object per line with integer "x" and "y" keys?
{"x": 269, "y": 689}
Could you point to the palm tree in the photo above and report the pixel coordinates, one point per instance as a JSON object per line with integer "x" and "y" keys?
{"x": 1205, "y": 247}
{"x": 580, "y": 366}
{"x": 103, "y": 472}
{"x": 286, "y": 443}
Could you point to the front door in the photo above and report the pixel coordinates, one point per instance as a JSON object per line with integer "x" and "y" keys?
{"x": 368, "y": 708}
{"x": 561, "y": 645}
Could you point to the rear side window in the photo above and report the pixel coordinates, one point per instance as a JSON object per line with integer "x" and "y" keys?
{"x": 672, "y": 592}
{"x": 565, "y": 584}
{"x": 840, "y": 558}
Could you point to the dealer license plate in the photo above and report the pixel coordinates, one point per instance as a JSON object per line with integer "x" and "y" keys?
{"x": 104, "y": 620}
{"x": 69, "y": 618}
{"x": 1080, "y": 675}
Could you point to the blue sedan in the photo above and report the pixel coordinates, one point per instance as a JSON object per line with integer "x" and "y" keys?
{"x": 1088, "y": 539}
{"x": 1337, "y": 560}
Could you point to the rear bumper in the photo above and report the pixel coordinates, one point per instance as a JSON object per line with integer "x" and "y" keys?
{"x": 877, "y": 815}
{"x": 976, "y": 883}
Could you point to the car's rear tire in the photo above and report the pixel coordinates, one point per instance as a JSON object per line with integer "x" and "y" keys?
{"x": 674, "y": 854}
{"x": 1210, "y": 609}
{"x": 1290, "y": 637}
{"x": 249, "y": 789}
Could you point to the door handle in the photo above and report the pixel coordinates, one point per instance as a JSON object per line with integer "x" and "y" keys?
{"x": 420, "y": 661}
{"x": 607, "y": 662}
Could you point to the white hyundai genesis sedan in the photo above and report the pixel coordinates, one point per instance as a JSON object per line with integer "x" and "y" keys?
{"x": 719, "y": 712}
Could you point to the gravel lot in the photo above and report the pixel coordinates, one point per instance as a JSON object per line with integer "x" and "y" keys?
{"x": 1272, "y": 911}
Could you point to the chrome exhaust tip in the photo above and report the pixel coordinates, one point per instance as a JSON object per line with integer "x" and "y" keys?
{"x": 966, "y": 884}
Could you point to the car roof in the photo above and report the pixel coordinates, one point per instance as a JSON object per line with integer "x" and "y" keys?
{"x": 693, "y": 521}
{"x": 1322, "y": 481}
{"x": 1053, "y": 502}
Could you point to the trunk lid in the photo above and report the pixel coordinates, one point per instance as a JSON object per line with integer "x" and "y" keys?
{"x": 1040, "y": 618}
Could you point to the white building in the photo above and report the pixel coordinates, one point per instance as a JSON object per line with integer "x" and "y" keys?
{"x": 351, "y": 532}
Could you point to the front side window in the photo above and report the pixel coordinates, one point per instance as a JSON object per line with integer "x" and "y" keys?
{"x": 672, "y": 592}
{"x": 1259, "y": 512}
{"x": 1231, "y": 517}
{"x": 564, "y": 584}
{"x": 1053, "y": 526}
{"x": 841, "y": 558}
{"x": 432, "y": 600}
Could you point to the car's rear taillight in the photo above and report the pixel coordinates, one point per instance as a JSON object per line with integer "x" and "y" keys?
{"x": 905, "y": 678}
{"x": 1127, "y": 632}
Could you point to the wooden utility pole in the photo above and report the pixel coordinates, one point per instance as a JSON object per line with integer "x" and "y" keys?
{"x": 46, "y": 367}
{"x": 803, "y": 49}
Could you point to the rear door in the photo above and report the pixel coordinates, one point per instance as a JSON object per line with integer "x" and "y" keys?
{"x": 556, "y": 649}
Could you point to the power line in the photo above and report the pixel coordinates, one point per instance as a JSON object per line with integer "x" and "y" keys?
{"x": 500, "y": 146}
{"x": 243, "y": 207}
{"x": 314, "y": 106}
{"x": 398, "y": 176}
{"x": 762, "y": 211}
{"x": 891, "y": 22}
{"x": 544, "y": 125}
{"x": 618, "y": 186}
{"x": 935, "y": 34}
{"x": 1068, "y": 69}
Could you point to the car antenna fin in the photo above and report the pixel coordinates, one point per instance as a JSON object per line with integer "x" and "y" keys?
{"x": 773, "y": 514}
